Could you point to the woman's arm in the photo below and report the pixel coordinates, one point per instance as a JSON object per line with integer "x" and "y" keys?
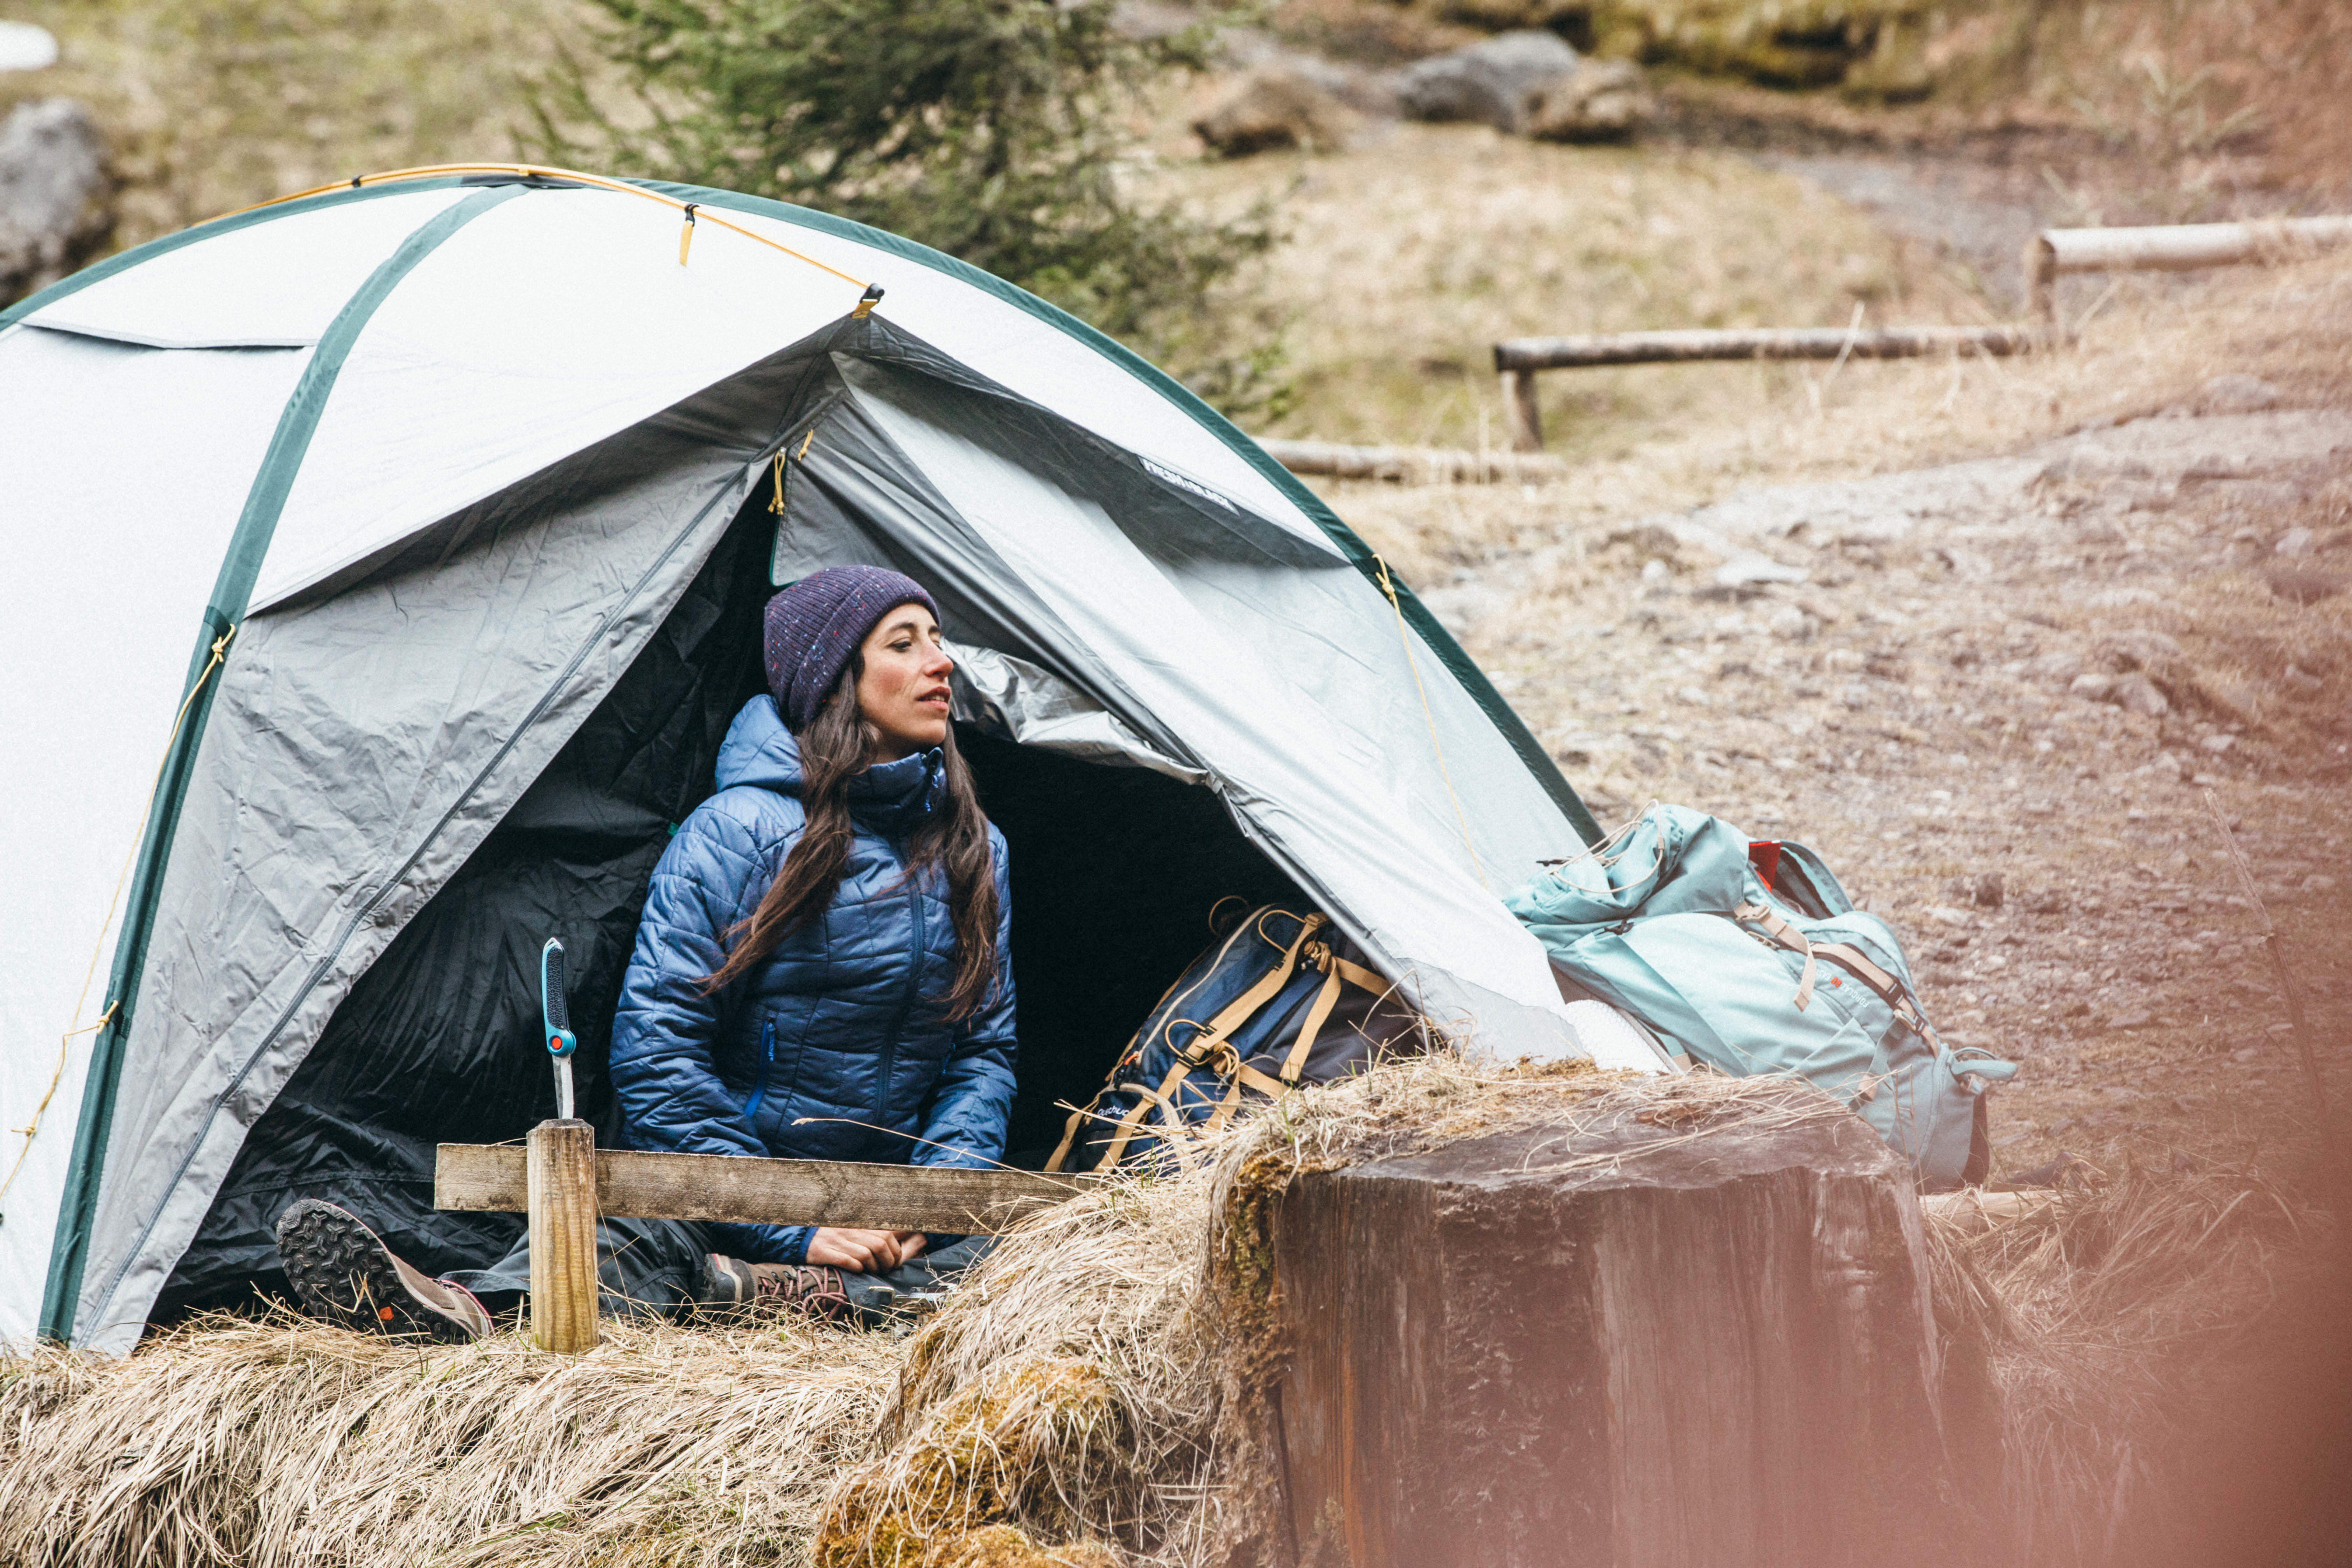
{"x": 672, "y": 1098}
{"x": 964, "y": 1120}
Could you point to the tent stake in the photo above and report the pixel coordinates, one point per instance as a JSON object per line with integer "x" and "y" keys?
{"x": 562, "y": 1183}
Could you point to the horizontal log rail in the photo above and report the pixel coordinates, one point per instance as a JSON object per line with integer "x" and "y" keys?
{"x": 753, "y": 1190}
{"x": 1413, "y": 465}
{"x": 1518, "y": 359}
{"x": 2055, "y": 252}
{"x": 1758, "y": 343}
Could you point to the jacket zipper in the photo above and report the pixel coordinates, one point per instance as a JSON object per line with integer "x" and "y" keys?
{"x": 906, "y": 1002}
{"x": 767, "y": 1065}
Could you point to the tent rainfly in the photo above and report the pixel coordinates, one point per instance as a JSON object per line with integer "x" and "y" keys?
{"x": 467, "y": 485}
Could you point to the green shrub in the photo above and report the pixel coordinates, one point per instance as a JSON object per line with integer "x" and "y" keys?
{"x": 996, "y": 130}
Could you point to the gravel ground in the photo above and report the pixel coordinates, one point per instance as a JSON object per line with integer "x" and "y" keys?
{"x": 1996, "y": 696}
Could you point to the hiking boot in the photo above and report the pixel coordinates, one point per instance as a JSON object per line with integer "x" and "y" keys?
{"x": 345, "y": 1274}
{"x": 729, "y": 1286}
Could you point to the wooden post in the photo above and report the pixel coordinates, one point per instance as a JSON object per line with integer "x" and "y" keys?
{"x": 1520, "y": 407}
{"x": 562, "y": 1163}
{"x": 1610, "y": 1343}
{"x": 2040, "y": 262}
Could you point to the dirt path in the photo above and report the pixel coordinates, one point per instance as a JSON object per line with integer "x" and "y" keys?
{"x": 1994, "y": 694}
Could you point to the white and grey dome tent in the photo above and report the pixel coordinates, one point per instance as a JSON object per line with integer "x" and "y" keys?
{"x": 459, "y": 480}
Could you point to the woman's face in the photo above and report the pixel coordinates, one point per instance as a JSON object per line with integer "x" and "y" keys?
{"x": 904, "y": 691}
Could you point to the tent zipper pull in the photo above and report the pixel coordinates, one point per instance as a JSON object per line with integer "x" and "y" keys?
{"x": 686, "y": 235}
{"x": 777, "y": 504}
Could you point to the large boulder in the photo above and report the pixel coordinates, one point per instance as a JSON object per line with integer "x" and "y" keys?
{"x": 1599, "y": 100}
{"x": 55, "y": 194}
{"x": 1494, "y": 82}
{"x": 1272, "y": 107}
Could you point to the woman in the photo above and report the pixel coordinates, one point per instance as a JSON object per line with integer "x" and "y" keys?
{"x": 822, "y": 972}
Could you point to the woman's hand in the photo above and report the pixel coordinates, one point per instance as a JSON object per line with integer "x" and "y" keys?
{"x": 864, "y": 1251}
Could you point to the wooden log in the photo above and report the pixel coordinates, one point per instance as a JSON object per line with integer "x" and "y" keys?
{"x": 561, "y": 1195}
{"x": 1521, "y": 355}
{"x": 1413, "y": 465}
{"x": 764, "y": 1192}
{"x": 2183, "y": 247}
{"x": 1520, "y": 409}
{"x": 1604, "y": 1345}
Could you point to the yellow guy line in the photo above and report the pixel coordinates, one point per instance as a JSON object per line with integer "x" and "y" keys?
{"x": 1389, "y": 588}
{"x": 65, "y": 1044}
{"x": 695, "y": 212}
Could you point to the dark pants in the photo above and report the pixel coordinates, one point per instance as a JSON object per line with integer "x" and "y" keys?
{"x": 647, "y": 1268}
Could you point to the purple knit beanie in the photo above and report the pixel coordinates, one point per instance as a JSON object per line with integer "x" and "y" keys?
{"x": 814, "y": 625}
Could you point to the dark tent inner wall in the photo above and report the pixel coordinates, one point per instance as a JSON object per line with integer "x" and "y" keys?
{"x": 1115, "y": 872}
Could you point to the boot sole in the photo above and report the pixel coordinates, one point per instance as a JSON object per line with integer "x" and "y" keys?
{"x": 344, "y": 1273}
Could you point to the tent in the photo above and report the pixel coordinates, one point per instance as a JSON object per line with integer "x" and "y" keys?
{"x": 467, "y": 485}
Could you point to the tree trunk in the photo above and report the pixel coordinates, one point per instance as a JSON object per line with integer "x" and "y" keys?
{"x": 1716, "y": 1351}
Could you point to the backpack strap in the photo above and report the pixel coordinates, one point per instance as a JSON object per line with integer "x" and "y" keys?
{"x": 1787, "y": 936}
{"x": 1205, "y": 1043}
{"x": 1889, "y": 989}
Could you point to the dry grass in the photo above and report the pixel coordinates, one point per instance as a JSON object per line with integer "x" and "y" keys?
{"x": 213, "y": 105}
{"x": 1410, "y": 254}
{"x": 2150, "y": 343}
{"x": 2113, "y": 1327}
{"x": 1084, "y": 1402}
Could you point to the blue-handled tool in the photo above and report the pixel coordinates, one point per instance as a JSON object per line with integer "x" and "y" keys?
{"x": 561, "y": 1042}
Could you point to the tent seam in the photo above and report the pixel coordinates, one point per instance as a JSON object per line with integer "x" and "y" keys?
{"x": 232, "y": 591}
{"x": 386, "y": 888}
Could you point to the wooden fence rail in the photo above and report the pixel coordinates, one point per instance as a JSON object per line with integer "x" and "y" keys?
{"x": 1518, "y": 359}
{"x": 2054, "y": 252}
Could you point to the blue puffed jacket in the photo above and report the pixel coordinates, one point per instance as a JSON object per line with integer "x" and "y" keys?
{"x": 842, "y": 1023}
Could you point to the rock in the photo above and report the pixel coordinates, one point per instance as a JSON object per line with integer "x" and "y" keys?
{"x": 1854, "y": 695}
{"x": 55, "y": 194}
{"x": 1945, "y": 914}
{"x": 1494, "y": 81}
{"x": 2137, "y": 693}
{"x": 2299, "y": 587}
{"x": 2318, "y": 884}
{"x": 2142, "y": 649}
{"x": 2216, "y": 745}
{"x": 1990, "y": 889}
{"x": 26, "y": 47}
{"x": 1274, "y": 107}
{"x": 2236, "y": 394}
{"x": 2092, "y": 687}
{"x": 2130, "y": 1018}
{"x": 1790, "y": 624}
{"x": 1745, "y": 570}
{"x": 2297, "y": 541}
{"x": 2303, "y": 679}
{"x": 1601, "y": 100}
{"x": 2061, "y": 664}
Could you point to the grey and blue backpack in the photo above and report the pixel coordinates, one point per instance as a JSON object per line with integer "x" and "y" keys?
{"x": 1746, "y": 956}
{"x": 1282, "y": 999}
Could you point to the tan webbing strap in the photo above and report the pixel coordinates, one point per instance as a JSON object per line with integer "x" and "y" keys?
{"x": 1889, "y": 989}
{"x": 1069, "y": 1135}
{"x": 1133, "y": 1121}
{"x": 1315, "y": 1016}
{"x": 1238, "y": 1011}
{"x": 1787, "y": 936}
{"x": 1371, "y": 980}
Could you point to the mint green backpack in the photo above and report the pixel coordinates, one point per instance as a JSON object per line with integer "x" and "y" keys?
{"x": 1749, "y": 957}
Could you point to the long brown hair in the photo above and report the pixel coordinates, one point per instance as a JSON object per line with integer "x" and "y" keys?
{"x": 833, "y": 750}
